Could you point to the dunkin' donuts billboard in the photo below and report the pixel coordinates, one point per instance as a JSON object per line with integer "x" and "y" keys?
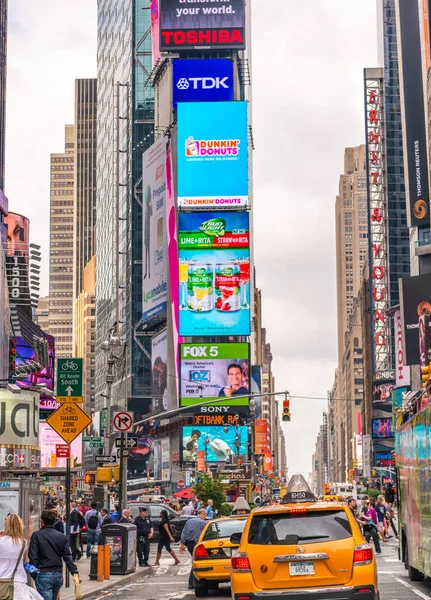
{"x": 214, "y": 274}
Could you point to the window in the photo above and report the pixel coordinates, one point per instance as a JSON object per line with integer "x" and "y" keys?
{"x": 224, "y": 529}
{"x": 310, "y": 527}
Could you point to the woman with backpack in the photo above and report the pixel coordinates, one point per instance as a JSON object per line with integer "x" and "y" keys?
{"x": 94, "y": 522}
{"x": 77, "y": 521}
{"x": 165, "y": 539}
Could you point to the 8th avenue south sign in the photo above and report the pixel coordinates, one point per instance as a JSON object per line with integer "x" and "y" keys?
{"x": 69, "y": 380}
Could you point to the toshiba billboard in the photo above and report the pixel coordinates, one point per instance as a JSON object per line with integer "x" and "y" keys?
{"x": 202, "y": 25}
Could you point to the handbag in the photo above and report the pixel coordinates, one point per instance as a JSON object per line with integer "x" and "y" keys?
{"x": 7, "y": 583}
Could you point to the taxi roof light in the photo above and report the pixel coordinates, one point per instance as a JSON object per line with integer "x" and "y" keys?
{"x": 240, "y": 563}
{"x": 241, "y": 507}
{"x": 298, "y": 490}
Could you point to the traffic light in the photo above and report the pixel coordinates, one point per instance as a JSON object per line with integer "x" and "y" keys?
{"x": 104, "y": 474}
{"x": 286, "y": 411}
{"x": 90, "y": 478}
{"x": 117, "y": 473}
{"x": 240, "y": 461}
{"x": 426, "y": 375}
{"x": 355, "y": 463}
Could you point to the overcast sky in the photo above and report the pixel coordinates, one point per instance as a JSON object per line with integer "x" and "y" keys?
{"x": 308, "y": 60}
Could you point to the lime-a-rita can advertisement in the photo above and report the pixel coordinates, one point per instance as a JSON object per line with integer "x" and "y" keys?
{"x": 214, "y": 273}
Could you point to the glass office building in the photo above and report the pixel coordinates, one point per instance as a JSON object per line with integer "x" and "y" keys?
{"x": 398, "y": 232}
{"x": 125, "y": 124}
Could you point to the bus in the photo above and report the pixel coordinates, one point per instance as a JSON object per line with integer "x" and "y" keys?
{"x": 345, "y": 490}
{"x": 412, "y": 457}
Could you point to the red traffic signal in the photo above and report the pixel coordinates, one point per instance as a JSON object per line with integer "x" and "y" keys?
{"x": 286, "y": 405}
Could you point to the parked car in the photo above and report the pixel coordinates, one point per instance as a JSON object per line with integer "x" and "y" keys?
{"x": 176, "y": 521}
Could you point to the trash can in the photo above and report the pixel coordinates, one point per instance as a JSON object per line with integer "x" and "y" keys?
{"x": 121, "y": 537}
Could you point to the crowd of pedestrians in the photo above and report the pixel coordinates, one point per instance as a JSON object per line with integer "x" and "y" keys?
{"x": 375, "y": 519}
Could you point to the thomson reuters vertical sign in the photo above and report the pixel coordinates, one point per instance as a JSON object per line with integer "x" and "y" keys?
{"x": 402, "y": 373}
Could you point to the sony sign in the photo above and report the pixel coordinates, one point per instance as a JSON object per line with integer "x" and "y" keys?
{"x": 203, "y": 80}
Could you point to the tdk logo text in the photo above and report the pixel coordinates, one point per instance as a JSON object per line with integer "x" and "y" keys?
{"x": 209, "y": 80}
{"x": 206, "y": 83}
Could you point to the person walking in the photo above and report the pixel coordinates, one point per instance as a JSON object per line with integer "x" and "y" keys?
{"x": 106, "y": 519}
{"x": 189, "y": 537}
{"x": 126, "y": 516}
{"x": 48, "y": 549}
{"x": 165, "y": 539}
{"x": 77, "y": 521}
{"x": 369, "y": 524}
{"x": 353, "y": 505}
{"x": 93, "y": 520}
{"x": 390, "y": 516}
{"x": 13, "y": 549}
{"x": 188, "y": 510}
{"x": 210, "y": 510}
{"x": 115, "y": 514}
{"x": 380, "y": 509}
{"x": 144, "y": 533}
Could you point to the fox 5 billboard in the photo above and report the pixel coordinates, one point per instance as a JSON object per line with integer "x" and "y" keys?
{"x": 208, "y": 80}
{"x": 213, "y": 154}
{"x": 205, "y": 25}
{"x": 215, "y": 371}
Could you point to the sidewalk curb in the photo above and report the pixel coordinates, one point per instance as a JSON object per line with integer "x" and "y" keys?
{"x": 113, "y": 582}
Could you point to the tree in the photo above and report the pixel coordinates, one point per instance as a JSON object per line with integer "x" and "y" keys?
{"x": 209, "y": 488}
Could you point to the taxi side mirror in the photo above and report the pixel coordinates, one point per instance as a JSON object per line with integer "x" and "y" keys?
{"x": 171, "y": 516}
{"x": 235, "y": 538}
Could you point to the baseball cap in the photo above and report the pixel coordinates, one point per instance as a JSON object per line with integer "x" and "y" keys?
{"x": 143, "y": 508}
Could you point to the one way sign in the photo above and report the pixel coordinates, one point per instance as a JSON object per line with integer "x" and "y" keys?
{"x": 131, "y": 442}
{"x": 123, "y": 421}
{"x": 106, "y": 459}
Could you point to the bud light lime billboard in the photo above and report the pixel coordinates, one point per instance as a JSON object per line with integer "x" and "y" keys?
{"x": 208, "y": 80}
{"x": 214, "y": 273}
{"x": 213, "y": 155}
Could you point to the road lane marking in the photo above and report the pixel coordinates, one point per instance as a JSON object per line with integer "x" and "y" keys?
{"x": 183, "y": 571}
{"x": 414, "y": 590}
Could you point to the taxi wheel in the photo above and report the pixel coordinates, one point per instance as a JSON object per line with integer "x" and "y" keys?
{"x": 201, "y": 588}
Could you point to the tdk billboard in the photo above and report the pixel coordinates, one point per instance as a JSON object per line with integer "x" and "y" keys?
{"x": 203, "y": 80}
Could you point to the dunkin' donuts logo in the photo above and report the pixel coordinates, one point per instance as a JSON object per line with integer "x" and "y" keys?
{"x": 196, "y": 148}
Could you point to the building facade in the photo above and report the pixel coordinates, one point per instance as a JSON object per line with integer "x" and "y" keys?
{"x": 42, "y": 314}
{"x": 85, "y": 332}
{"x": 85, "y": 177}
{"x": 61, "y": 227}
{"x": 3, "y": 68}
{"x": 125, "y": 124}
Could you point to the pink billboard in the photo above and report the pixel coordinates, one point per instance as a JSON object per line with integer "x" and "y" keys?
{"x": 48, "y": 440}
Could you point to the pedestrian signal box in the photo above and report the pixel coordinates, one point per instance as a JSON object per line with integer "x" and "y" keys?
{"x": 90, "y": 478}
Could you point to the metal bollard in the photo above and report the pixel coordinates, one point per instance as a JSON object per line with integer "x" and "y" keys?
{"x": 93, "y": 562}
{"x": 100, "y": 563}
{"x": 107, "y": 562}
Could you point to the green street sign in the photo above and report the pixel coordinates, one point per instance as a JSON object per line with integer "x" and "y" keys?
{"x": 96, "y": 444}
{"x": 91, "y": 438}
{"x": 104, "y": 418}
{"x": 69, "y": 380}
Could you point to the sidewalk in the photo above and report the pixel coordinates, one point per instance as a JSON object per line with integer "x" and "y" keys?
{"x": 90, "y": 587}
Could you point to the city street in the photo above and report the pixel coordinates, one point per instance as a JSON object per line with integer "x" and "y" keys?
{"x": 170, "y": 583}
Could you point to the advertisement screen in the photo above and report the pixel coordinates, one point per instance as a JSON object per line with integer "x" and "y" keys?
{"x": 415, "y": 300}
{"x": 24, "y": 353}
{"x": 261, "y": 436}
{"x": 155, "y": 30}
{"x": 141, "y": 458}
{"x": 384, "y": 459}
{"x": 414, "y": 113}
{"x": 214, "y": 274}
{"x": 17, "y": 257}
{"x": 213, "y": 154}
{"x": 218, "y": 443}
{"x": 382, "y": 392}
{"x": 48, "y": 440}
{"x": 382, "y": 428}
{"x": 214, "y": 371}
{"x": 159, "y": 362}
{"x": 154, "y": 264}
{"x": 202, "y": 26}
{"x": 208, "y": 80}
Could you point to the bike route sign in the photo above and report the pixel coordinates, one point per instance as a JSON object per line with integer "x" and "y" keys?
{"x": 69, "y": 380}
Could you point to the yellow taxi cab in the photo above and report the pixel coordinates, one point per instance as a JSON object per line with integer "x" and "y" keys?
{"x": 333, "y": 498}
{"x": 303, "y": 549}
{"x": 213, "y": 551}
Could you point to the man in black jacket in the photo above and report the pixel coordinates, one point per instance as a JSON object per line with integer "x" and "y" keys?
{"x": 48, "y": 549}
{"x": 144, "y": 533}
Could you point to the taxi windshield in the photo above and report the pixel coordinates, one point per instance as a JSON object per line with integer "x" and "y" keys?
{"x": 224, "y": 529}
{"x": 313, "y": 526}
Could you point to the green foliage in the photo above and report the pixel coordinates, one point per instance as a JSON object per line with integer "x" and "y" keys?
{"x": 226, "y": 510}
{"x": 373, "y": 493}
{"x": 209, "y": 488}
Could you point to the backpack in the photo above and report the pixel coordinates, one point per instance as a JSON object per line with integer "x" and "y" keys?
{"x": 93, "y": 521}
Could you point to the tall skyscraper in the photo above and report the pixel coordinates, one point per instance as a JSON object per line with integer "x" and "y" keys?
{"x": 3, "y": 56}
{"x": 61, "y": 227}
{"x": 85, "y": 176}
{"x": 351, "y": 235}
{"x": 85, "y": 328}
{"x": 125, "y": 124}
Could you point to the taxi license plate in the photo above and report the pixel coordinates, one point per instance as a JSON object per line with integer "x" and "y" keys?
{"x": 301, "y": 568}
